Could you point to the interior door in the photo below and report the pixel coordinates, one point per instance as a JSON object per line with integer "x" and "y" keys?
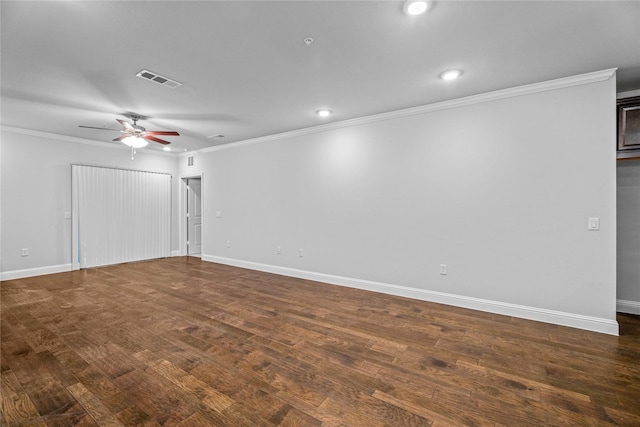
{"x": 194, "y": 216}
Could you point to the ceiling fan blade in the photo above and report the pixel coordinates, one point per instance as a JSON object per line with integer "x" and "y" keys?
{"x": 154, "y": 139}
{"x": 162, "y": 132}
{"x": 126, "y": 125}
{"x": 93, "y": 127}
{"x": 120, "y": 138}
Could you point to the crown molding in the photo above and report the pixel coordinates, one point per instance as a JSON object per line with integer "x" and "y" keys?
{"x": 66, "y": 138}
{"x": 560, "y": 83}
{"x": 57, "y": 137}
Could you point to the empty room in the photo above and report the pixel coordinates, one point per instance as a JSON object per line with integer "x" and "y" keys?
{"x": 320, "y": 213}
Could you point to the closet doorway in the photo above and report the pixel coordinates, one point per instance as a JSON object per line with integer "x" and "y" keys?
{"x": 193, "y": 215}
{"x": 119, "y": 216}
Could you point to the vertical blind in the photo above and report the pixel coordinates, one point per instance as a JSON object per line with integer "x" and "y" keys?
{"x": 119, "y": 215}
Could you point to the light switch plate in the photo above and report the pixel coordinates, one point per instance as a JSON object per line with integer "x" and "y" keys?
{"x": 594, "y": 224}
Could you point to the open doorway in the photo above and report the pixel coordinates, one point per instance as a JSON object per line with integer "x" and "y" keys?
{"x": 192, "y": 224}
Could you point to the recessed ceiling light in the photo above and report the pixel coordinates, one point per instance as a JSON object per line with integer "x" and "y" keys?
{"x": 324, "y": 113}
{"x": 166, "y": 148}
{"x": 450, "y": 74}
{"x": 416, "y": 7}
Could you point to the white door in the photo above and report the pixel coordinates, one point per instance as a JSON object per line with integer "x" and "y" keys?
{"x": 194, "y": 216}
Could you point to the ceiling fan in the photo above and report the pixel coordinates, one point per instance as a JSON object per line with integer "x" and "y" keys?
{"x": 134, "y": 135}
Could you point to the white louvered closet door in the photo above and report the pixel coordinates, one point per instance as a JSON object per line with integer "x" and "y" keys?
{"x": 119, "y": 216}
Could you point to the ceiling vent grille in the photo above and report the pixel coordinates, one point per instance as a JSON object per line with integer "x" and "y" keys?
{"x": 157, "y": 78}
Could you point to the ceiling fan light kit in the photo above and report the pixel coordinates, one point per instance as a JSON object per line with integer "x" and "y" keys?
{"x": 135, "y": 142}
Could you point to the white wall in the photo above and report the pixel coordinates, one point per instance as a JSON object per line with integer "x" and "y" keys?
{"x": 498, "y": 190}
{"x": 36, "y": 193}
{"x": 498, "y": 187}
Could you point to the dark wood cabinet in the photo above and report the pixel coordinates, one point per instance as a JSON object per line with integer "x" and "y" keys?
{"x": 628, "y": 128}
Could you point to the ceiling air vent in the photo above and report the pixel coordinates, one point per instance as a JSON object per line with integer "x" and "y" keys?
{"x": 164, "y": 81}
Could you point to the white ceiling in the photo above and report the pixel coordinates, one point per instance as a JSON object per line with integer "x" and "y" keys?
{"x": 247, "y": 73}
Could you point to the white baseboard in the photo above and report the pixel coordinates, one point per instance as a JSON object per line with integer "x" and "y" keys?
{"x": 629, "y": 307}
{"x": 589, "y": 323}
{"x": 38, "y": 271}
{"x": 175, "y": 253}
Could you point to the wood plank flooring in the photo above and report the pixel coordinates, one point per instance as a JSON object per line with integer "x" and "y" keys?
{"x": 181, "y": 342}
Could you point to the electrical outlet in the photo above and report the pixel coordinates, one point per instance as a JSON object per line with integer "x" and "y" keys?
{"x": 67, "y": 215}
{"x": 218, "y": 214}
{"x": 443, "y": 269}
{"x": 300, "y": 253}
{"x": 278, "y": 250}
{"x": 593, "y": 224}
{"x": 24, "y": 252}
{"x": 228, "y": 243}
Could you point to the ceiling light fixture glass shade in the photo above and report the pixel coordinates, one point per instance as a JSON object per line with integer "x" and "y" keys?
{"x": 324, "y": 113}
{"x": 135, "y": 142}
{"x": 450, "y": 74}
{"x": 416, "y": 7}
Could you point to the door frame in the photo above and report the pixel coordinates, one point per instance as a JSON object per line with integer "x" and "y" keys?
{"x": 184, "y": 208}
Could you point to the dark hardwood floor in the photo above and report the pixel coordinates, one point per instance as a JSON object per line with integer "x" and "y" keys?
{"x": 180, "y": 342}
